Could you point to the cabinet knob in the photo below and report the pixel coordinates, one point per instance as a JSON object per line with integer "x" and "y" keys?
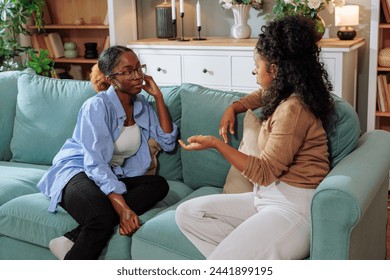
{"x": 205, "y": 70}
{"x": 158, "y": 69}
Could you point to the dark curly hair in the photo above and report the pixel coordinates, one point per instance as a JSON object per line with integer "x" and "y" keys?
{"x": 290, "y": 44}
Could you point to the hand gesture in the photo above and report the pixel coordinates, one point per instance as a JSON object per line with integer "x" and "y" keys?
{"x": 227, "y": 123}
{"x": 199, "y": 142}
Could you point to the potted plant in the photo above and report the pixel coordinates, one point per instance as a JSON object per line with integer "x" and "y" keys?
{"x": 13, "y": 20}
{"x": 41, "y": 63}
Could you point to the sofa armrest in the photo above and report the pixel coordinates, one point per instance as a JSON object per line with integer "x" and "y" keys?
{"x": 349, "y": 208}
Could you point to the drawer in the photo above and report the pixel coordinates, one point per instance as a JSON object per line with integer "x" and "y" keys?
{"x": 208, "y": 70}
{"x": 165, "y": 69}
{"x": 242, "y": 77}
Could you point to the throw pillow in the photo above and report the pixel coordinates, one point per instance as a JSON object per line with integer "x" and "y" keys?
{"x": 235, "y": 181}
{"x": 343, "y": 131}
{"x": 154, "y": 148}
{"x": 46, "y": 114}
{"x": 8, "y": 95}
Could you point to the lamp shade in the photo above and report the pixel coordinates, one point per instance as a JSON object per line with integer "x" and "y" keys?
{"x": 347, "y": 15}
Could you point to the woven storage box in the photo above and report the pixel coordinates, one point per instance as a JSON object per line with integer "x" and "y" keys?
{"x": 384, "y": 57}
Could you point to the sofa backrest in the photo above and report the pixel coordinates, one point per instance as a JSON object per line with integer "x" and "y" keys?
{"x": 8, "y": 94}
{"x": 46, "y": 113}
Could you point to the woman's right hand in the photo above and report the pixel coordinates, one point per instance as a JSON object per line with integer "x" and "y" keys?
{"x": 227, "y": 123}
{"x": 128, "y": 219}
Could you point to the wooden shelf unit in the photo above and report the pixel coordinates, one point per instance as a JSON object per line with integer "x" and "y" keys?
{"x": 380, "y": 38}
{"x": 63, "y": 15}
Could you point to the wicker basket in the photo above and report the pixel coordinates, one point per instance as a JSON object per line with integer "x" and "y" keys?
{"x": 384, "y": 57}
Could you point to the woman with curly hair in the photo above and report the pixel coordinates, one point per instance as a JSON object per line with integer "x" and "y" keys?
{"x": 273, "y": 221}
{"x": 99, "y": 175}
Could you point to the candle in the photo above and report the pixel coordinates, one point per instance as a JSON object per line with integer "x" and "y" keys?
{"x": 198, "y": 22}
{"x": 181, "y": 6}
{"x": 173, "y": 9}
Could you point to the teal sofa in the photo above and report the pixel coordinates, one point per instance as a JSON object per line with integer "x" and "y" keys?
{"x": 37, "y": 114}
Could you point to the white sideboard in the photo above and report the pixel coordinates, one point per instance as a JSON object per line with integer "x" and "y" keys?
{"x": 226, "y": 63}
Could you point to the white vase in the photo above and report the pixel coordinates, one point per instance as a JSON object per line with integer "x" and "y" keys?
{"x": 241, "y": 29}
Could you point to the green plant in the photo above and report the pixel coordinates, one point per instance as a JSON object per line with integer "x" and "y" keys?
{"x": 308, "y": 8}
{"x": 41, "y": 63}
{"x": 227, "y": 4}
{"x": 13, "y": 19}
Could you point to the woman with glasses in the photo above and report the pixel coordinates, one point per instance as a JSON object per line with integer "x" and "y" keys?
{"x": 98, "y": 176}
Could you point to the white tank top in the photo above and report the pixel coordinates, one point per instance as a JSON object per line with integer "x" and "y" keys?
{"x": 127, "y": 144}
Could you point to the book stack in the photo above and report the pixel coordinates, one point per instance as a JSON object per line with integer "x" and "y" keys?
{"x": 52, "y": 42}
{"x": 383, "y": 93}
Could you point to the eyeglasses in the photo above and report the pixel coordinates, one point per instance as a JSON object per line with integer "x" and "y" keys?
{"x": 130, "y": 74}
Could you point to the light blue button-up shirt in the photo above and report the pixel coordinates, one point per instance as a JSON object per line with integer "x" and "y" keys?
{"x": 91, "y": 147}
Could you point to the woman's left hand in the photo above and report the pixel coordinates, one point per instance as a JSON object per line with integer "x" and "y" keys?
{"x": 151, "y": 87}
{"x": 199, "y": 142}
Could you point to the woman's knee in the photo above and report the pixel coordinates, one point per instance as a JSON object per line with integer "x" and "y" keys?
{"x": 185, "y": 214}
{"x": 163, "y": 185}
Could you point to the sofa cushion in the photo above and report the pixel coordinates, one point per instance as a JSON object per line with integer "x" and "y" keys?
{"x": 169, "y": 164}
{"x": 8, "y": 94}
{"x": 26, "y": 218}
{"x": 235, "y": 181}
{"x": 46, "y": 114}
{"x": 18, "y": 179}
{"x": 202, "y": 109}
{"x": 343, "y": 131}
{"x": 177, "y": 192}
{"x": 147, "y": 246}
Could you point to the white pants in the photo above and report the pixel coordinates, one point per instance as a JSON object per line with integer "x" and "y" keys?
{"x": 271, "y": 222}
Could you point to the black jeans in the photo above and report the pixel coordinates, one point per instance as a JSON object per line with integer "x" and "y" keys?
{"x": 96, "y": 216}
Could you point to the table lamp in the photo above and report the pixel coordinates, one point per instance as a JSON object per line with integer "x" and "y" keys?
{"x": 346, "y": 16}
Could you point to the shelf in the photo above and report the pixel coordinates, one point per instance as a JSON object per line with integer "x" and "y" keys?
{"x": 72, "y": 26}
{"x": 80, "y": 60}
{"x": 382, "y": 114}
{"x": 382, "y": 68}
{"x": 329, "y": 44}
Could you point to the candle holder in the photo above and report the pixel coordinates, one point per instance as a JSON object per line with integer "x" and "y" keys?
{"x": 199, "y": 38}
{"x": 174, "y": 30}
{"x": 182, "y": 39}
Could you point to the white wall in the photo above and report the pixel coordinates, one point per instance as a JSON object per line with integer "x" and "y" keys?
{"x": 216, "y": 22}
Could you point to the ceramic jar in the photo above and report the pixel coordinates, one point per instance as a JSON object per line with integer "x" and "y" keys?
{"x": 70, "y": 50}
{"x": 90, "y": 50}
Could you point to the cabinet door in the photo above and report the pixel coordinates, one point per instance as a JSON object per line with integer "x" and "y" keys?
{"x": 165, "y": 69}
{"x": 330, "y": 62}
{"x": 242, "y": 77}
{"x": 207, "y": 70}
